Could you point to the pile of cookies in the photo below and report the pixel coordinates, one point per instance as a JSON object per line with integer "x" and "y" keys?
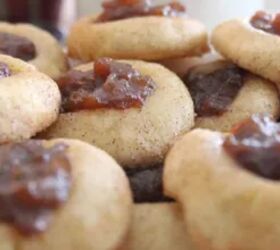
{"x": 141, "y": 137}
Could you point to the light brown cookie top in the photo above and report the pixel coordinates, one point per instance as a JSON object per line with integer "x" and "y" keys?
{"x": 145, "y": 37}
{"x": 95, "y": 216}
{"x": 226, "y": 206}
{"x": 249, "y": 47}
{"x": 48, "y": 56}
{"x": 135, "y": 137}
{"x": 224, "y": 95}
{"x": 157, "y": 227}
{"x": 29, "y": 101}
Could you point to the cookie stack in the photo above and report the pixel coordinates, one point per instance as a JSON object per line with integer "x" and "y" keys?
{"x": 185, "y": 161}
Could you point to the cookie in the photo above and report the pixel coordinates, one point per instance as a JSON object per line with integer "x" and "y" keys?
{"x": 230, "y": 195}
{"x": 157, "y": 220}
{"x": 160, "y": 34}
{"x": 98, "y": 204}
{"x": 157, "y": 227}
{"x": 224, "y": 95}
{"x": 136, "y": 136}
{"x": 33, "y": 45}
{"x": 249, "y": 47}
{"x": 29, "y": 100}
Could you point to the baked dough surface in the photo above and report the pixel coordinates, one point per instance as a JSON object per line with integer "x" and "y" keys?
{"x": 145, "y": 38}
{"x": 29, "y": 101}
{"x": 157, "y": 227}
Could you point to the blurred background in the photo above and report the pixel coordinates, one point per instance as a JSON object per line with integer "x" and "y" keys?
{"x": 211, "y": 12}
{"x": 58, "y": 15}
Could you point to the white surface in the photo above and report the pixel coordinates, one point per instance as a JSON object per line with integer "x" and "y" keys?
{"x": 210, "y": 12}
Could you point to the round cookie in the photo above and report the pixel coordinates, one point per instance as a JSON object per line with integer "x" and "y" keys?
{"x": 157, "y": 226}
{"x": 97, "y": 213}
{"x": 157, "y": 37}
{"x": 255, "y": 96}
{"x": 135, "y": 137}
{"x": 225, "y": 206}
{"x": 248, "y": 47}
{"x": 29, "y": 101}
{"x": 49, "y": 57}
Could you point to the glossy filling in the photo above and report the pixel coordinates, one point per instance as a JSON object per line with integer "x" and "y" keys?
{"x": 34, "y": 182}
{"x": 4, "y": 70}
{"x": 146, "y": 184}
{"x": 122, "y": 9}
{"x": 214, "y": 87}
{"x": 266, "y": 22}
{"x": 255, "y": 145}
{"x": 17, "y": 46}
{"x": 111, "y": 84}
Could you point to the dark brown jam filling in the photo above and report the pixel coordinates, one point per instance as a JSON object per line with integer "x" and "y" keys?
{"x": 4, "y": 70}
{"x": 213, "y": 87}
{"x": 255, "y": 145}
{"x": 146, "y": 184}
{"x": 111, "y": 84}
{"x": 17, "y": 46}
{"x": 266, "y": 22}
{"x": 122, "y": 9}
{"x": 34, "y": 181}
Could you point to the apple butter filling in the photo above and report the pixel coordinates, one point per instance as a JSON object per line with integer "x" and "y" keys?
{"x": 34, "y": 182}
{"x": 110, "y": 84}
{"x": 122, "y": 9}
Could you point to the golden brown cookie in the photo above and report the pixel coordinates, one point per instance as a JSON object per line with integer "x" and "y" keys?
{"x": 210, "y": 86}
{"x": 29, "y": 100}
{"x": 96, "y": 215}
{"x": 226, "y": 206}
{"x": 134, "y": 136}
{"x": 48, "y": 56}
{"x": 248, "y": 47}
{"x": 157, "y": 226}
{"x": 157, "y": 37}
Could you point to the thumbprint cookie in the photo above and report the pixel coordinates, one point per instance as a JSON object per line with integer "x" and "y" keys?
{"x": 133, "y": 110}
{"x": 229, "y": 185}
{"x": 61, "y": 194}
{"x": 136, "y": 29}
